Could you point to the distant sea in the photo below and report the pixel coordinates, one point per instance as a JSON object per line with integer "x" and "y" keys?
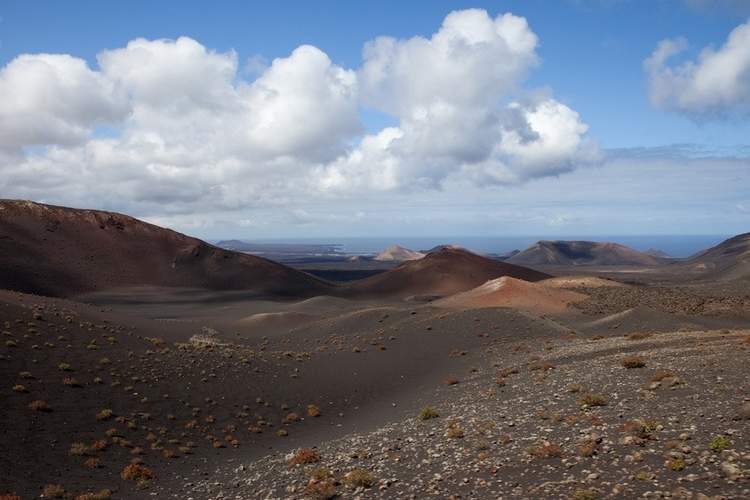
{"x": 674, "y": 245}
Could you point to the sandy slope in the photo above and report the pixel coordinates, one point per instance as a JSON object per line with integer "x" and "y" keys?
{"x": 515, "y": 293}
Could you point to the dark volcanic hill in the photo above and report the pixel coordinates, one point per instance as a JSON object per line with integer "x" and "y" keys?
{"x": 729, "y": 260}
{"x": 57, "y": 251}
{"x": 582, "y": 253}
{"x": 442, "y": 272}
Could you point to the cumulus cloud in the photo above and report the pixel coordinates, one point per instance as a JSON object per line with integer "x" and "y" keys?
{"x": 53, "y": 99}
{"x": 186, "y": 132}
{"x": 716, "y": 83}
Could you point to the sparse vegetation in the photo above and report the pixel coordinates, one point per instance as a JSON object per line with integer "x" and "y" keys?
{"x": 79, "y": 449}
{"x": 313, "y": 411}
{"x": 592, "y": 399}
{"x": 20, "y": 388}
{"x": 53, "y": 491}
{"x": 359, "y": 478}
{"x": 105, "y": 414}
{"x": 719, "y": 444}
{"x": 427, "y": 413}
{"x": 676, "y": 464}
{"x": 137, "y": 472}
{"x": 546, "y": 450}
{"x": 39, "y": 405}
{"x": 304, "y": 456}
{"x": 633, "y": 362}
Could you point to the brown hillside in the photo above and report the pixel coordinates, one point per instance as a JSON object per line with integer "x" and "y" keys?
{"x": 57, "y": 251}
{"x": 443, "y": 272}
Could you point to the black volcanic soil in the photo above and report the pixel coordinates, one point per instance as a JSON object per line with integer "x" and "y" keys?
{"x": 201, "y": 408}
{"x": 60, "y": 251}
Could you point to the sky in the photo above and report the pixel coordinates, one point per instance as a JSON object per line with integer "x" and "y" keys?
{"x": 316, "y": 119}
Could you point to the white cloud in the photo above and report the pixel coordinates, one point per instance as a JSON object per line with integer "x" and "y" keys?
{"x": 717, "y": 83}
{"x": 53, "y": 99}
{"x": 189, "y": 134}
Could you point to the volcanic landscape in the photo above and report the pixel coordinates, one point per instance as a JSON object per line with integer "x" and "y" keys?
{"x": 138, "y": 362}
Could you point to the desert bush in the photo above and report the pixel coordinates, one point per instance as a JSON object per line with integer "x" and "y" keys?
{"x": 98, "y": 445}
{"x": 282, "y": 433}
{"x": 592, "y": 399}
{"x": 359, "y": 478}
{"x": 640, "y": 428}
{"x": 71, "y": 382}
{"x": 20, "y": 388}
{"x": 105, "y": 414}
{"x": 546, "y": 450}
{"x": 313, "y": 411}
{"x": 638, "y": 335}
{"x": 304, "y": 456}
{"x": 97, "y": 495}
{"x": 92, "y": 463}
{"x": 26, "y": 375}
{"x": 65, "y": 367}
{"x": 136, "y": 472}
{"x": 581, "y": 494}
{"x": 427, "y": 413}
{"x": 79, "y": 449}
{"x": 587, "y": 448}
{"x": 454, "y": 431}
{"x": 676, "y": 464}
{"x": 39, "y": 405}
{"x": 291, "y": 417}
{"x": 321, "y": 490}
{"x": 53, "y": 491}
{"x": 633, "y": 362}
{"x": 719, "y": 444}
{"x": 662, "y": 374}
{"x": 451, "y": 381}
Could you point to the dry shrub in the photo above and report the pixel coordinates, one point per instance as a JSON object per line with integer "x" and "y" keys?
{"x": 454, "y": 431}
{"x": 313, "y": 411}
{"x": 304, "y": 456}
{"x": 96, "y": 495}
{"x": 39, "y": 405}
{"x": 546, "y": 450}
{"x": 633, "y": 362}
{"x": 427, "y": 413}
{"x": 71, "y": 382}
{"x": 592, "y": 399}
{"x": 321, "y": 490}
{"x": 53, "y": 491}
{"x": 291, "y": 417}
{"x": 137, "y": 472}
{"x": 451, "y": 381}
{"x": 79, "y": 449}
{"x": 587, "y": 448}
{"x": 359, "y": 478}
{"x": 105, "y": 414}
{"x": 639, "y": 335}
{"x": 92, "y": 463}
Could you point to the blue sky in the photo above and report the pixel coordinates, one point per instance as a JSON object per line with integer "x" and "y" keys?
{"x": 590, "y": 59}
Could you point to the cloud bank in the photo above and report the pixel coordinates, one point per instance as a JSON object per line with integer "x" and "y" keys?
{"x": 716, "y": 84}
{"x": 170, "y": 126}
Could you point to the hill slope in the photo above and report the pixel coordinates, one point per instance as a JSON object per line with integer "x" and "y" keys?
{"x": 582, "y": 253}
{"x": 728, "y": 260}
{"x": 398, "y": 253}
{"x": 514, "y": 293}
{"x": 59, "y": 251}
{"x": 443, "y": 272}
